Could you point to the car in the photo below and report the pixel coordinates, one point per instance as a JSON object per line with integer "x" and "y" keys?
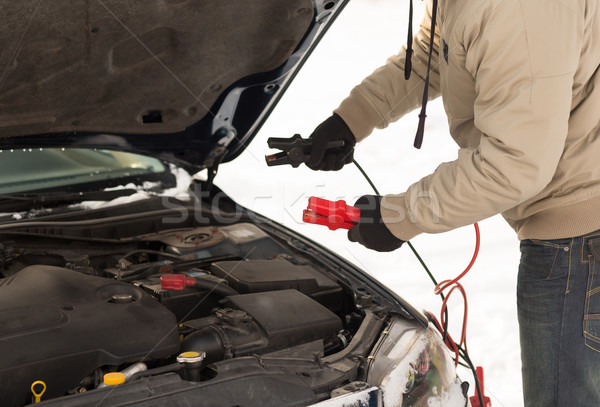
{"x": 128, "y": 278}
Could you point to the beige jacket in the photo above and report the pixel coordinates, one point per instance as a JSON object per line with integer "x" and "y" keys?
{"x": 520, "y": 85}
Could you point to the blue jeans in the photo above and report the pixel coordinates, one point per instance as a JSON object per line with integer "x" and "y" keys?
{"x": 558, "y": 300}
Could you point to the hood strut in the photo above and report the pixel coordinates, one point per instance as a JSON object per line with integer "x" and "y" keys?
{"x": 212, "y": 163}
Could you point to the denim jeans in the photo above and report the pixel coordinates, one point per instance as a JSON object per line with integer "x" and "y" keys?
{"x": 558, "y": 300}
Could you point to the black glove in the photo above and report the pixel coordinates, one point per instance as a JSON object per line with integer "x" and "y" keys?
{"x": 331, "y": 159}
{"x": 370, "y": 231}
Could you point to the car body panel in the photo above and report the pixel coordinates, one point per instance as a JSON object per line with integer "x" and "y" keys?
{"x": 137, "y": 76}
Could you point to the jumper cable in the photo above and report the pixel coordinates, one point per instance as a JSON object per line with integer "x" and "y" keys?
{"x": 333, "y": 214}
{"x": 338, "y": 215}
{"x": 295, "y": 150}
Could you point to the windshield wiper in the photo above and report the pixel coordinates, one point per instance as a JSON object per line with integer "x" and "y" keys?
{"x": 16, "y": 202}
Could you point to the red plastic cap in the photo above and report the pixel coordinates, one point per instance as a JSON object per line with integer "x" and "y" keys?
{"x": 176, "y": 282}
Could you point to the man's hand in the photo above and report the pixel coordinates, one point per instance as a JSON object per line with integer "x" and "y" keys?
{"x": 332, "y": 159}
{"x": 370, "y": 231}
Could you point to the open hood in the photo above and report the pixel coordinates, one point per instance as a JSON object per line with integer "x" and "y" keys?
{"x": 185, "y": 81}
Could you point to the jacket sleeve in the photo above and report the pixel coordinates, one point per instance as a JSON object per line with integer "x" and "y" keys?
{"x": 523, "y": 56}
{"x": 385, "y": 96}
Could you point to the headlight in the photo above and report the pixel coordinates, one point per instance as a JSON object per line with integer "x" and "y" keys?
{"x": 413, "y": 367}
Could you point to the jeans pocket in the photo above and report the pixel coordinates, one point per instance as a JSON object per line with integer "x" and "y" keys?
{"x": 591, "y": 318}
{"x": 542, "y": 259}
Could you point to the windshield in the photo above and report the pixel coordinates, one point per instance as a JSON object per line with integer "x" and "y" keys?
{"x": 54, "y": 168}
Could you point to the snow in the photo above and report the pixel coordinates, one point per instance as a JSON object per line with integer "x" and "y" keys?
{"x": 403, "y": 356}
{"x": 179, "y": 191}
{"x": 28, "y": 214}
{"x": 450, "y": 398}
{"x": 145, "y": 185}
{"x": 365, "y": 35}
{"x": 395, "y": 383}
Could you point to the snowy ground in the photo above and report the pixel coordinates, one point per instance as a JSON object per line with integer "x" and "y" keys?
{"x": 367, "y": 32}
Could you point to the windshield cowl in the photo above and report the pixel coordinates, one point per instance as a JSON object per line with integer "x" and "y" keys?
{"x": 43, "y": 180}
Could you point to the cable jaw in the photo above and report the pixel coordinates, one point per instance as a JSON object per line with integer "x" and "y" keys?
{"x": 334, "y": 215}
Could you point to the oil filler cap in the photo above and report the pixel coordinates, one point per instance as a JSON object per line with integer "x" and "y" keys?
{"x": 114, "y": 378}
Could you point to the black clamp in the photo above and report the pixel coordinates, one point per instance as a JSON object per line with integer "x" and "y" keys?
{"x": 295, "y": 150}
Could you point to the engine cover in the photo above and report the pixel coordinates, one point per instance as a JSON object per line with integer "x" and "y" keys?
{"x": 57, "y": 325}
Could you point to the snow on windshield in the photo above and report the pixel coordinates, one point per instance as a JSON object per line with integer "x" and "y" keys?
{"x": 144, "y": 191}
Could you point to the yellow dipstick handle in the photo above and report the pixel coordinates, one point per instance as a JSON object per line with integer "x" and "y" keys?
{"x": 38, "y": 396}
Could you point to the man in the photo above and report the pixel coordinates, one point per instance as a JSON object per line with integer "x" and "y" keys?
{"x": 520, "y": 83}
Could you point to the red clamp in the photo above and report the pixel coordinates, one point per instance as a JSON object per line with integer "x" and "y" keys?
{"x": 176, "y": 282}
{"x": 333, "y": 214}
{"x": 475, "y": 399}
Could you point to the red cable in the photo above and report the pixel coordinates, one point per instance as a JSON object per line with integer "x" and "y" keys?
{"x": 447, "y": 283}
{"x": 449, "y": 341}
{"x": 463, "y": 334}
{"x": 479, "y": 399}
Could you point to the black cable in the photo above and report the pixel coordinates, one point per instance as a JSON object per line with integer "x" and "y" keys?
{"x": 366, "y": 177}
{"x": 362, "y": 171}
{"x": 466, "y": 357}
{"x": 461, "y": 351}
{"x": 430, "y": 274}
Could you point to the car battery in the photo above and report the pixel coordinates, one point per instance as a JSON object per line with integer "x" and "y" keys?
{"x": 189, "y": 303}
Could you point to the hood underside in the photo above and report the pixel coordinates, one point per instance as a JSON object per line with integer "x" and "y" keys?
{"x": 136, "y": 71}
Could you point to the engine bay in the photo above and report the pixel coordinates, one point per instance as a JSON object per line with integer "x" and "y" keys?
{"x": 197, "y": 311}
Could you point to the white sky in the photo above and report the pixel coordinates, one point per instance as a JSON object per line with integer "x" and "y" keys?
{"x": 367, "y": 32}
